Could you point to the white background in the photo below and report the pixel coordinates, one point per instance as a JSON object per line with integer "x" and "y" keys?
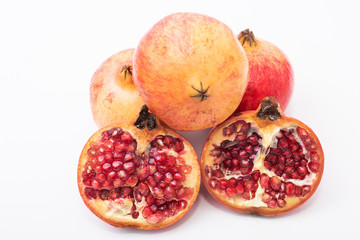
{"x": 48, "y": 53}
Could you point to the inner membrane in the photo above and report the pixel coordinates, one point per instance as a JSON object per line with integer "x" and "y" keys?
{"x": 148, "y": 184}
{"x": 287, "y": 169}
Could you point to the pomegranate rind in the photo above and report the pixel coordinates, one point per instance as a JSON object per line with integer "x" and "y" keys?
{"x": 143, "y": 138}
{"x": 111, "y": 92}
{"x": 174, "y": 62}
{"x": 270, "y": 74}
{"x": 270, "y": 128}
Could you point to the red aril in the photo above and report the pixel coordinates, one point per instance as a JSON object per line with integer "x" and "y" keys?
{"x": 270, "y": 73}
{"x": 262, "y": 161}
{"x": 130, "y": 177}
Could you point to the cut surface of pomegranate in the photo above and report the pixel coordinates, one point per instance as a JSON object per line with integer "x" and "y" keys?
{"x": 262, "y": 161}
{"x": 138, "y": 178}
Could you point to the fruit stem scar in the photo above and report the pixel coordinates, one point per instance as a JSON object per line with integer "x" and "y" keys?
{"x": 248, "y": 37}
{"x": 202, "y": 93}
{"x": 146, "y": 119}
{"x": 127, "y": 69}
{"x": 269, "y": 109}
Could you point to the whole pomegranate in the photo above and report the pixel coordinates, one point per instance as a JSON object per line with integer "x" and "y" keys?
{"x": 191, "y": 71}
{"x": 137, "y": 178}
{"x": 113, "y": 94}
{"x": 270, "y": 73}
{"x": 262, "y": 161}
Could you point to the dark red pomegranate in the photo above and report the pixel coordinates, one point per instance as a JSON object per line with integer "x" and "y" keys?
{"x": 270, "y": 73}
{"x": 262, "y": 161}
{"x": 138, "y": 178}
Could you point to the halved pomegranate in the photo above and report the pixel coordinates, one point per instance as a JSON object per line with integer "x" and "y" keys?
{"x": 262, "y": 161}
{"x": 137, "y": 178}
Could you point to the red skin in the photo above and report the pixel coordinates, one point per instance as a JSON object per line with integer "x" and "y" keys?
{"x": 270, "y": 74}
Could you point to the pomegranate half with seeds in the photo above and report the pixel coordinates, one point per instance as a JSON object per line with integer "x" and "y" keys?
{"x": 137, "y": 178}
{"x": 262, "y": 161}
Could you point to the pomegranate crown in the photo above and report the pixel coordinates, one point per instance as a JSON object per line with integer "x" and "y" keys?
{"x": 269, "y": 108}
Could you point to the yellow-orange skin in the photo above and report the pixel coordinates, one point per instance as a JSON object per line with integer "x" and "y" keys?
{"x": 266, "y": 127}
{"x": 270, "y": 74}
{"x": 114, "y": 98}
{"x": 182, "y": 51}
{"x": 143, "y": 137}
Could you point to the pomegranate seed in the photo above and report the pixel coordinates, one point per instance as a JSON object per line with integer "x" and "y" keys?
{"x": 158, "y": 192}
{"x": 143, "y": 172}
{"x": 160, "y": 158}
{"x": 305, "y": 190}
{"x": 170, "y": 161}
{"x": 122, "y": 174}
{"x": 289, "y": 189}
{"x": 178, "y": 176}
{"x": 256, "y": 175}
{"x": 173, "y": 183}
{"x": 302, "y": 170}
{"x": 151, "y": 181}
{"x": 116, "y": 165}
{"x": 152, "y": 169}
{"x": 301, "y": 132}
{"x": 132, "y": 180}
{"x": 222, "y": 184}
{"x": 246, "y": 195}
{"x": 239, "y": 189}
{"x": 126, "y": 137}
{"x": 217, "y": 173}
{"x": 266, "y": 197}
{"x": 230, "y": 192}
{"x": 118, "y": 183}
{"x": 119, "y": 155}
{"x": 104, "y": 194}
{"x": 272, "y": 203}
{"x": 146, "y": 212}
{"x": 179, "y": 146}
{"x": 183, "y": 204}
{"x": 169, "y": 192}
{"x": 107, "y": 184}
{"x": 282, "y": 144}
{"x": 314, "y": 167}
{"x": 297, "y": 191}
{"x": 275, "y": 183}
{"x": 162, "y": 184}
{"x": 153, "y": 208}
{"x": 168, "y": 177}
{"x": 101, "y": 177}
{"x": 106, "y": 167}
{"x": 180, "y": 193}
{"x": 155, "y": 218}
{"x": 119, "y": 146}
{"x": 126, "y": 191}
{"x": 314, "y": 157}
{"x": 129, "y": 156}
{"x": 101, "y": 159}
{"x": 91, "y": 152}
{"x": 90, "y": 193}
{"x": 129, "y": 166}
{"x": 212, "y": 183}
{"x": 95, "y": 184}
{"x": 281, "y": 203}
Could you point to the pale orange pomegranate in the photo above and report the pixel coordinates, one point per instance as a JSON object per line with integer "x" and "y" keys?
{"x": 191, "y": 71}
{"x": 114, "y": 97}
